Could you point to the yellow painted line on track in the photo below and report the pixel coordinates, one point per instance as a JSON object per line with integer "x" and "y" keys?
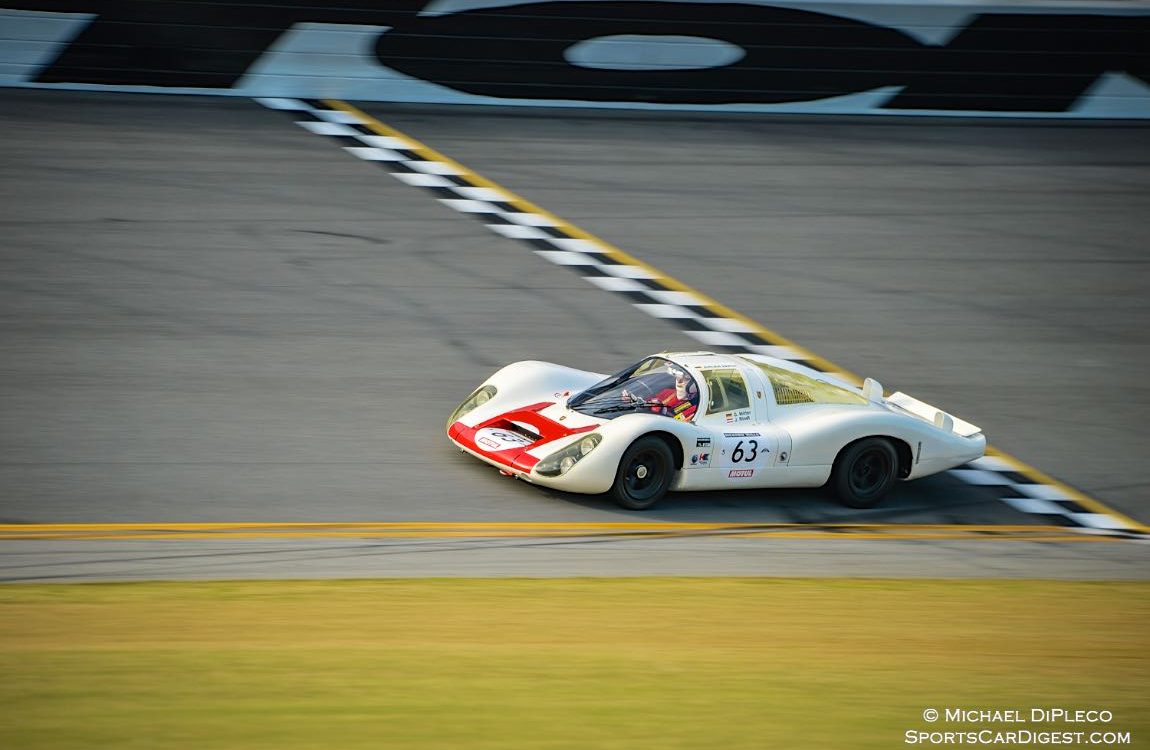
{"x": 522, "y": 530}
{"x": 715, "y": 306}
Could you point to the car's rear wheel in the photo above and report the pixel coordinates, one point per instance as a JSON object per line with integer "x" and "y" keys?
{"x": 864, "y": 472}
{"x": 644, "y": 474}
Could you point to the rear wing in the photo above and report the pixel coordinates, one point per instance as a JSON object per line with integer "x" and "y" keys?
{"x": 932, "y": 414}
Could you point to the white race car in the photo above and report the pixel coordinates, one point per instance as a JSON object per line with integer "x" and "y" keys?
{"x": 705, "y": 421}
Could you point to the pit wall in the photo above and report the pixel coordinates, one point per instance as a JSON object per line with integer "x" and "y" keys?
{"x": 1065, "y": 60}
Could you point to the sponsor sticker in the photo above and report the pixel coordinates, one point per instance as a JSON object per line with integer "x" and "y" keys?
{"x": 703, "y": 442}
{"x": 701, "y": 459}
{"x": 740, "y": 473}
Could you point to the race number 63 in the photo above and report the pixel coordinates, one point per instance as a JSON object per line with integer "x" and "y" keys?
{"x": 740, "y": 455}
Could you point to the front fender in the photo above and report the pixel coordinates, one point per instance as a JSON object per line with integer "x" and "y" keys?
{"x": 595, "y": 473}
{"x": 529, "y": 382}
{"x": 630, "y": 427}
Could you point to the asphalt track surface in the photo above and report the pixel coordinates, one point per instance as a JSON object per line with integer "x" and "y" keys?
{"x": 209, "y": 315}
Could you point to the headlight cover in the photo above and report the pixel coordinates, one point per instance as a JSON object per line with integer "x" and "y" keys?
{"x": 561, "y": 461}
{"x": 480, "y": 397}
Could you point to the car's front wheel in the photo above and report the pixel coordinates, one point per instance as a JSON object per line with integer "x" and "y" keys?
{"x": 644, "y": 474}
{"x": 864, "y": 472}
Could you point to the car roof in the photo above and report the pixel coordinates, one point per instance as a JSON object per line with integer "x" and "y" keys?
{"x": 702, "y": 360}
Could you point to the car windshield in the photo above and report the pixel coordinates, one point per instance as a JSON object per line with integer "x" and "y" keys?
{"x": 655, "y": 386}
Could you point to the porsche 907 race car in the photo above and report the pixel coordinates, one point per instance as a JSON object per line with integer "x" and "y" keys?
{"x": 705, "y": 421}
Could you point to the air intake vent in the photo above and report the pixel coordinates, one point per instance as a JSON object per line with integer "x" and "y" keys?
{"x": 518, "y": 429}
{"x": 785, "y": 394}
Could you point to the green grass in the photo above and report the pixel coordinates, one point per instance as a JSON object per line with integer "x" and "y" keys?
{"x": 611, "y": 663}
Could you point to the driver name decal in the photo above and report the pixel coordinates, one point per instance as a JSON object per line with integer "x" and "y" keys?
{"x": 742, "y": 415}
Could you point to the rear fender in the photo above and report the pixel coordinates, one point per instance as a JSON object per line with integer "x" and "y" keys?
{"x": 818, "y": 439}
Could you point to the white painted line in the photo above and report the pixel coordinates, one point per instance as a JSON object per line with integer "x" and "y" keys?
{"x": 778, "y": 352}
{"x": 327, "y": 128}
{"x": 676, "y": 298}
{"x": 1033, "y": 505}
{"x": 464, "y": 205}
{"x": 613, "y": 284}
{"x": 1041, "y": 491}
{"x": 423, "y": 180}
{"x": 716, "y": 338}
{"x": 384, "y": 141}
{"x": 577, "y": 245}
{"x": 626, "y": 272}
{"x": 531, "y": 220}
{"x": 1099, "y": 521}
{"x": 336, "y": 115}
{"x": 284, "y": 104}
{"x": 433, "y": 167}
{"x": 992, "y": 463}
{"x": 665, "y": 311}
{"x": 368, "y": 153}
{"x": 483, "y": 194}
{"x": 727, "y": 324}
{"x": 518, "y": 232}
{"x": 566, "y": 258}
{"x": 980, "y": 477}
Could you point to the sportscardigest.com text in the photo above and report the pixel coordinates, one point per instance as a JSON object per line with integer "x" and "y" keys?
{"x": 1054, "y": 726}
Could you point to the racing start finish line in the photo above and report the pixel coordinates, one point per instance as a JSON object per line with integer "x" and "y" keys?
{"x": 1055, "y": 506}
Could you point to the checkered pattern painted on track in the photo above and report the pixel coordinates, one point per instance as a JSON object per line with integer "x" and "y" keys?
{"x": 655, "y": 294}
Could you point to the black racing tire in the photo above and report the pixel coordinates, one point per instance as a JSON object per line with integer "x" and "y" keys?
{"x": 644, "y": 474}
{"x": 864, "y": 472}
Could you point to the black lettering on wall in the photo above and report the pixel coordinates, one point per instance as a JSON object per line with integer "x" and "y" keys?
{"x": 193, "y": 44}
{"x": 1005, "y": 62}
{"x": 791, "y": 55}
{"x": 1027, "y": 62}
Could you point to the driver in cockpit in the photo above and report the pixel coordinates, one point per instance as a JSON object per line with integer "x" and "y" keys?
{"x": 678, "y": 400}
{"x": 682, "y": 402}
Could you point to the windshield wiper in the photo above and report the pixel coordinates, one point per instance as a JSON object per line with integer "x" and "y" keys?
{"x": 629, "y": 407}
{"x": 584, "y": 396}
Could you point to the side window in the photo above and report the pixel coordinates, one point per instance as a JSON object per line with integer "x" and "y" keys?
{"x": 792, "y": 387}
{"x": 737, "y": 397}
{"x": 727, "y": 389}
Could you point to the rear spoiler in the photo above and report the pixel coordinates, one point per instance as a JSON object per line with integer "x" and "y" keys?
{"x": 932, "y": 414}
